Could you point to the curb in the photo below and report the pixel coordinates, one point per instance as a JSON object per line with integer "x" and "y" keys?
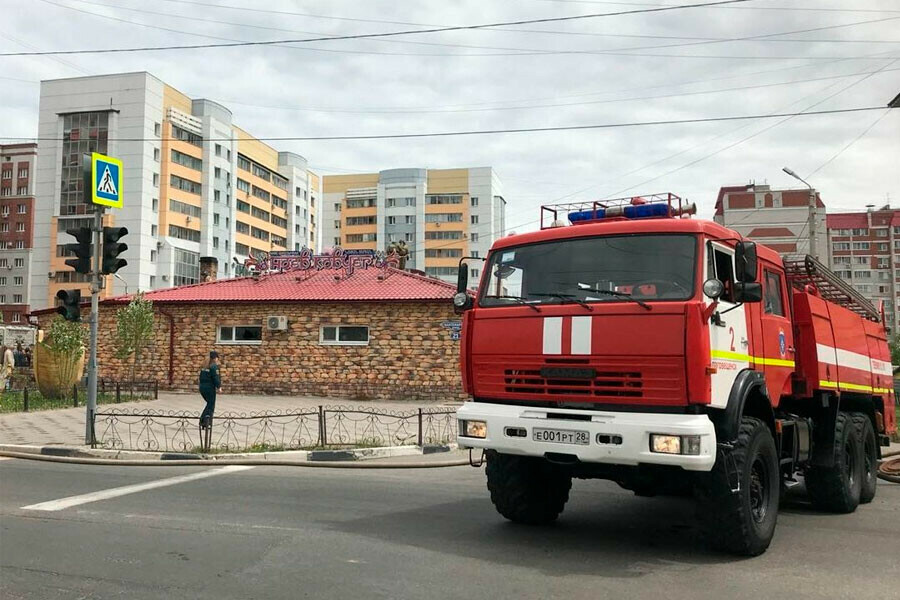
{"x": 293, "y": 456}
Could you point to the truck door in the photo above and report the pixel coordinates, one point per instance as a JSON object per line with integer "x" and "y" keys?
{"x": 728, "y": 339}
{"x": 776, "y": 353}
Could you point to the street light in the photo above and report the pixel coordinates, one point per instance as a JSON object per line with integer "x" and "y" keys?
{"x": 813, "y": 247}
{"x": 122, "y": 279}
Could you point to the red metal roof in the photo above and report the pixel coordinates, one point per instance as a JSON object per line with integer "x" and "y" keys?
{"x": 771, "y": 232}
{"x": 860, "y": 220}
{"x": 371, "y": 285}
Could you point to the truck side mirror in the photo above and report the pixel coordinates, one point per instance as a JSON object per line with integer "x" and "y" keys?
{"x": 462, "y": 277}
{"x": 462, "y": 301}
{"x": 747, "y": 292}
{"x": 745, "y": 262}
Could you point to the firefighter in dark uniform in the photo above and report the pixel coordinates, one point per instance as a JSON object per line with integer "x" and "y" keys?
{"x": 210, "y": 383}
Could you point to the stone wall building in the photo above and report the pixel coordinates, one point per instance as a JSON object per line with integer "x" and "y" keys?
{"x": 376, "y": 333}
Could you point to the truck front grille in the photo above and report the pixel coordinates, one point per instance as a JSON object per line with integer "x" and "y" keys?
{"x": 617, "y": 380}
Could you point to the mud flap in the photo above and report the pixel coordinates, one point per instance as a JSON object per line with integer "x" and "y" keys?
{"x": 730, "y": 465}
{"x": 823, "y": 433}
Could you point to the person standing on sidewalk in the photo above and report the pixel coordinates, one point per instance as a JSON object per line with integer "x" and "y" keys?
{"x": 210, "y": 384}
{"x": 7, "y": 366}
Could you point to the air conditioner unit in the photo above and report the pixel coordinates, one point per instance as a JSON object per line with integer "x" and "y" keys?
{"x": 276, "y": 323}
{"x": 165, "y": 277}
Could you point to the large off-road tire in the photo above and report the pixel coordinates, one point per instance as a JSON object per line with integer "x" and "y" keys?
{"x": 838, "y": 488}
{"x": 870, "y": 456}
{"x": 742, "y": 522}
{"x": 526, "y": 489}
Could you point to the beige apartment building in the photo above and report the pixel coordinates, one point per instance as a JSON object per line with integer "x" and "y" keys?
{"x": 198, "y": 189}
{"x": 441, "y": 214}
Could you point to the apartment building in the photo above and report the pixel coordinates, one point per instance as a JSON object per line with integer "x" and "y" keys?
{"x": 441, "y": 214}
{"x": 864, "y": 248}
{"x": 777, "y": 218}
{"x": 17, "y": 174}
{"x": 197, "y": 188}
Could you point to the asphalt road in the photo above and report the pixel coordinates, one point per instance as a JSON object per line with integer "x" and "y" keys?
{"x": 270, "y": 532}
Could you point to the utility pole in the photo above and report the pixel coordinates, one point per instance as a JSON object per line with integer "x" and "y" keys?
{"x": 811, "y": 222}
{"x": 96, "y": 286}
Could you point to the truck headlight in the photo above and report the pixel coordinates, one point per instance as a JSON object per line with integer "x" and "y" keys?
{"x": 675, "y": 444}
{"x": 473, "y": 429}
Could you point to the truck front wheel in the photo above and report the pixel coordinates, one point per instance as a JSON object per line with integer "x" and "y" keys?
{"x": 526, "y": 489}
{"x": 870, "y": 456}
{"x": 738, "y": 500}
{"x": 838, "y": 488}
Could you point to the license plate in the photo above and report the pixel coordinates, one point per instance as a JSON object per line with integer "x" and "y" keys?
{"x": 561, "y": 436}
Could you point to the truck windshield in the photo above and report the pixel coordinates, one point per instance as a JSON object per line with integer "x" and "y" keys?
{"x": 643, "y": 267}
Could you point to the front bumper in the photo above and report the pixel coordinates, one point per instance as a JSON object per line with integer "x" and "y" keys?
{"x": 633, "y": 428}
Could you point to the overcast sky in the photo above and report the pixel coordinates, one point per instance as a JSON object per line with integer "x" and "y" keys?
{"x": 647, "y": 67}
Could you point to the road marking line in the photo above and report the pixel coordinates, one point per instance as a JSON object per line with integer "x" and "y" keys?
{"x": 62, "y": 503}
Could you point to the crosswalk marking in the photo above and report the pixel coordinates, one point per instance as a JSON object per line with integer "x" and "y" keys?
{"x": 63, "y": 503}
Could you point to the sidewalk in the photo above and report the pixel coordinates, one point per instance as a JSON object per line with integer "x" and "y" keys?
{"x": 66, "y": 426}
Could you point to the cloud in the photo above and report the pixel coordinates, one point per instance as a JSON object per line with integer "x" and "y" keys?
{"x": 535, "y": 168}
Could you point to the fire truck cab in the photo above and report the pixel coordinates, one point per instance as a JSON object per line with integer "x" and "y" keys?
{"x": 670, "y": 355}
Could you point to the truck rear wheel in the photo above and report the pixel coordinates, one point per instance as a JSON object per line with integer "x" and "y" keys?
{"x": 838, "y": 488}
{"x": 526, "y": 489}
{"x": 742, "y": 521}
{"x": 870, "y": 456}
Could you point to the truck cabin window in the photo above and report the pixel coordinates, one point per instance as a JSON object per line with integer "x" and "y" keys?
{"x": 721, "y": 266}
{"x": 597, "y": 269}
{"x": 774, "y": 305}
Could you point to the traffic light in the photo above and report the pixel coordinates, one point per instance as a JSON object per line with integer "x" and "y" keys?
{"x": 112, "y": 249}
{"x": 82, "y": 250}
{"x": 70, "y": 308}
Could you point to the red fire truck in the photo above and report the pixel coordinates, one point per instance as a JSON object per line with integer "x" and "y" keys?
{"x": 672, "y": 356}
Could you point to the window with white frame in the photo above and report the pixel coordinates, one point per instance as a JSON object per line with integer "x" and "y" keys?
{"x": 20, "y": 262}
{"x": 344, "y": 335}
{"x": 21, "y": 209}
{"x": 16, "y": 318}
{"x": 17, "y": 298}
{"x": 239, "y": 334}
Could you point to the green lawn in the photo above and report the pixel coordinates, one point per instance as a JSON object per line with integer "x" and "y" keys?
{"x": 12, "y": 401}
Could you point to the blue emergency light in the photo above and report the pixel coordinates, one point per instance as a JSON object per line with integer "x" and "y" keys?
{"x": 636, "y": 211}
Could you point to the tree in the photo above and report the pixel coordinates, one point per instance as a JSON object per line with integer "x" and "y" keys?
{"x": 895, "y": 350}
{"x": 66, "y": 341}
{"x": 134, "y": 330}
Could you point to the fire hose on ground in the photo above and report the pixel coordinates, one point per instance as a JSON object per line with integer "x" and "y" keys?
{"x": 889, "y": 467}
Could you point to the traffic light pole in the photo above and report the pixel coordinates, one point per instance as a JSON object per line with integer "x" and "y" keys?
{"x": 96, "y": 284}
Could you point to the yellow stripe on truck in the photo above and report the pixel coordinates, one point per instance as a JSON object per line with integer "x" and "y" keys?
{"x": 759, "y": 360}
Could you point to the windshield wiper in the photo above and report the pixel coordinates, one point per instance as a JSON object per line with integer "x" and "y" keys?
{"x": 587, "y": 288}
{"x": 566, "y": 298}
{"x": 518, "y": 299}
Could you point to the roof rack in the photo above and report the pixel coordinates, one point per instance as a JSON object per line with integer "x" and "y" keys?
{"x": 806, "y": 270}
{"x": 590, "y": 211}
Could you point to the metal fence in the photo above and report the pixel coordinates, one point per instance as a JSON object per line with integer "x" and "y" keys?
{"x": 307, "y": 428}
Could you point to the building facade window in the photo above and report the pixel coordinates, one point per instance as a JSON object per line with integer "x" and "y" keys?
{"x": 183, "y": 233}
{"x": 242, "y": 185}
{"x": 83, "y": 133}
{"x": 187, "y": 136}
{"x": 443, "y": 253}
{"x": 185, "y": 209}
{"x": 443, "y": 218}
{"x": 368, "y": 220}
{"x": 441, "y": 271}
{"x": 17, "y": 299}
{"x": 344, "y": 335}
{"x": 186, "y": 160}
{"x": 187, "y": 267}
{"x": 239, "y": 334}
{"x": 444, "y": 199}
{"x": 357, "y": 238}
{"x": 20, "y": 262}
{"x": 185, "y": 185}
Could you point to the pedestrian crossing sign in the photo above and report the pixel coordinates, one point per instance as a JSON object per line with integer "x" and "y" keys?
{"x": 106, "y": 175}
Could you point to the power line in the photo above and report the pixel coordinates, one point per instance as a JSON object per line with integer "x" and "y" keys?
{"x": 497, "y": 51}
{"x": 564, "y": 104}
{"x": 393, "y": 136}
{"x": 853, "y": 141}
{"x": 375, "y": 35}
{"x": 766, "y": 38}
{"x": 756, "y": 7}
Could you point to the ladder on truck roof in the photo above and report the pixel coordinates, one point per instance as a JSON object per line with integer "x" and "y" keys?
{"x": 806, "y": 270}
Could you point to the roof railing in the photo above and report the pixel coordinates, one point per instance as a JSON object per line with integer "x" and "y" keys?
{"x": 664, "y": 205}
